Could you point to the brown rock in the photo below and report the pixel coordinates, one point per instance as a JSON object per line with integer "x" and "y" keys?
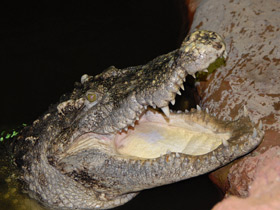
{"x": 264, "y": 173}
{"x": 251, "y": 77}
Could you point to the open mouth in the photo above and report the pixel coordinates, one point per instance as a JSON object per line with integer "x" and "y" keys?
{"x": 143, "y": 126}
{"x": 155, "y": 135}
{"x": 157, "y": 132}
{"x": 161, "y": 131}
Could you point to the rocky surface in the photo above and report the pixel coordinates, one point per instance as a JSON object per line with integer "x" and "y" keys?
{"x": 251, "y": 29}
{"x": 263, "y": 175}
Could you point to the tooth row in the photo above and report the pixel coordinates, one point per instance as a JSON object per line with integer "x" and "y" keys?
{"x": 180, "y": 84}
{"x": 167, "y": 111}
{"x": 176, "y": 82}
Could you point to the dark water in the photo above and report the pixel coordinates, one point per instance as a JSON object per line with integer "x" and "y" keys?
{"x": 46, "y": 47}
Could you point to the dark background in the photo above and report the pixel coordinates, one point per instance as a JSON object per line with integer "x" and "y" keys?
{"x": 46, "y": 47}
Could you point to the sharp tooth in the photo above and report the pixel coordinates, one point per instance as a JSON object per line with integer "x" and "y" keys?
{"x": 154, "y": 106}
{"x": 186, "y": 111}
{"x": 225, "y": 55}
{"x": 205, "y": 70}
{"x": 173, "y": 102}
{"x": 137, "y": 118}
{"x": 245, "y": 111}
{"x": 254, "y": 133}
{"x": 193, "y": 75}
{"x": 126, "y": 129}
{"x": 179, "y": 93}
{"x": 145, "y": 106}
{"x": 84, "y": 78}
{"x": 260, "y": 125}
{"x": 207, "y": 110}
{"x": 225, "y": 142}
{"x": 133, "y": 125}
{"x": 182, "y": 87}
{"x": 184, "y": 79}
{"x": 198, "y": 108}
{"x": 166, "y": 111}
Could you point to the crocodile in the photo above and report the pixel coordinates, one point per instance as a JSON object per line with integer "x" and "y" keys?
{"x": 115, "y": 135}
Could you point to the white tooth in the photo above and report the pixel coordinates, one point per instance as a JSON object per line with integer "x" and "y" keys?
{"x": 173, "y": 102}
{"x": 225, "y": 55}
{"x": 126, "y": 129}
{"x": 179, "y": 111}
{"x": 182, "y": 87}
{"x": 133, "y": 125}
{"x": 154, "y": 106}
{"x": 179, "y": 93}
{"x": 193, "y": 75}
{"x": 205, "y": 70}
{"x": 207, "y": 110}
{"x": 166, "y": 111}
{"x": 177, "y": 154}
{"x": 168, "y": 152}
{"x": 145, "y": 106}
{"x": 254, "y": 133}
{"x": 225, "y": 142}
{"x": 186, "y": 111}
{"x": 198, "y": 108}
{"x": 245, "y": 111}
{"x": 184, "y": 79}
{"x": 84, "y": 78}
{"x": 260, "y": 125}
{"x": 137, "y": 118}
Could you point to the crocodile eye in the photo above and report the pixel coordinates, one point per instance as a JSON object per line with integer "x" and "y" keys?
{"x": 91, "y": 96}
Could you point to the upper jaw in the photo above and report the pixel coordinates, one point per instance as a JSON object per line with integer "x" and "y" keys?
{"x": 157, "y": 83}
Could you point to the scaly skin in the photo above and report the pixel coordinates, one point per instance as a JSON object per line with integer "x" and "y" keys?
{"x": 82, "y": 154}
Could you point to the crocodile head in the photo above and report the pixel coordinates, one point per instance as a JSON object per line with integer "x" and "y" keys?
{"x": 115, "y": 135}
